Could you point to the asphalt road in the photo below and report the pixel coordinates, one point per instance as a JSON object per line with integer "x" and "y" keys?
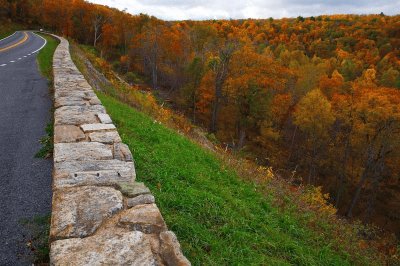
{"x": 25, "y": 181}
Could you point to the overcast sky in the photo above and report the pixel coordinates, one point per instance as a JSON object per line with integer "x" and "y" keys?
{"x": 225, "y": 9}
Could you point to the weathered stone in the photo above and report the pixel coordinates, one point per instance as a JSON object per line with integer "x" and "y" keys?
{"x": 154, "y": 240}
{"x": 58, "y": 93}
{"x": 77, "y": 115}
{"x": 94, "y": 101}
{"x": 67, "y": 167}
{"x": 69, "y": 101}
{"x": 97, "y": 127}
{"x": 104, "y": 118}
{"x": 78, "y": 212}
{"x": 90, "y": 166}
{"x": 139, "y": 200}
{"x": 171, "y": 250}
{"x": 129, "y": 248}
{"x": 68, "y": 133}
{"x": 108, "y": 137}
{"x": 122, "y": 152}
{"x": 83, "y": 84}
{"x": 108, "y": 177}
{"x": 81, "y": 151}
{"x": 145, "y": 218}
{"x": 133, "y": 189}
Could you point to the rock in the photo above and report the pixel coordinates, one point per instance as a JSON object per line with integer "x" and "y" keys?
{"x": 90, "y": 223}
{"x": 139, "y": 200}
{"x": 171, "y": 250}
{"x": 81, "y": 151}
{"x": 77, "y": 115}
{"x": 78, "y": 212}
{"x": 108, "y": 137}
{"x": 122, "y": 152}
{"x": 94, "y": 101}
{"x": 129, "y": 248}
{"x": 133, "y": 189}
{"x": 68, "y": 133}
{"x": 73, "y": 85}
{"x": 83, "y": 84}
{"x": 61, "y": 93}
{"x": 104, "y": 118}
{"x": 154, "y": 240}
{"x": 97, "y": 127}
{"x": 68, "y": 167}
{"x": 145, "y": 218}
{"x": 68, "y": 101}
{"x": 104, "y": 178}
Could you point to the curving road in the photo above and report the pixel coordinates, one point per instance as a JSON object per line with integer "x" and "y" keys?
{"x": 25, "y": 103}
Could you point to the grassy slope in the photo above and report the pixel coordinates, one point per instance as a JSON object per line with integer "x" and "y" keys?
{"x": 219, "y": 219}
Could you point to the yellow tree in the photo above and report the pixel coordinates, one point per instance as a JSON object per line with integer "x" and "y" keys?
{"x": 314, "y": 117}
{"x": 375, "y": 138}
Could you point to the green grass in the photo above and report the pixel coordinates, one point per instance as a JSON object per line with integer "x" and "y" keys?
{"x": 45, "y": 63}
{"x": 38, "y": 239}
{"x": 45, "y": 56}
{"x": 219, "y": 219}
{"x": 46, "y": 150}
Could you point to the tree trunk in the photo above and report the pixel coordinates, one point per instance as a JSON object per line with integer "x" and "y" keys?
{"x": 369, "y": 164}
{"x": 291, "y": 144}
{"x": 194, "y": 105}
{"x": 242, "y": 137}
{"x": 95, "y": 37}
{"x": 312, "y": 162}
{"x": 215, "y": 108}
{"x": 214, "y": 115}
{"x": 154, "y": 75}
{"x": 357, "y": 194}
{"x": 342, "y": 173}
{"x": 375, "y": 184}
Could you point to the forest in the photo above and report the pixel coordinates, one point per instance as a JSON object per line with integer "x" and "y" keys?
{"x": 316, "y": 98}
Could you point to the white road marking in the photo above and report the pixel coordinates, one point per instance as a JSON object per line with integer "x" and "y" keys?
{"x": 45, "y": 42}
{"x": 8, "y": 36}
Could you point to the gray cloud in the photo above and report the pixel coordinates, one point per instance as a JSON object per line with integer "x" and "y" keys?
{"x": 218, "y": 9}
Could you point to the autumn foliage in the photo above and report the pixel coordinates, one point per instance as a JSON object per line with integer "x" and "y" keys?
{"x": 317, "y": 98}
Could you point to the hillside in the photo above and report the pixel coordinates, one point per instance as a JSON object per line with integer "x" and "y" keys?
{"x": 303, "y": 110}
{"x": 254, "y": 84}
{"x": 7, "y": 28}
{"x": 226, "y": 210}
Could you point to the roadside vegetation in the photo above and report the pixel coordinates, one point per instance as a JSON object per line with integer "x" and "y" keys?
{"x": 302, "y": 124}
{"x": 224, "y": 209}
{"x": 254, "y": 84}
{"x": 38, "y": 240}
{"x": 45, "y": 56}
{"x": 45, "y": 63}
{"x": 7, "y": 28}
{"x": 39, "y": 226}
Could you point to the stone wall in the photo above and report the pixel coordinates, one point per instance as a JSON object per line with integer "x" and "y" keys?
{"x": 100, "y": 215}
